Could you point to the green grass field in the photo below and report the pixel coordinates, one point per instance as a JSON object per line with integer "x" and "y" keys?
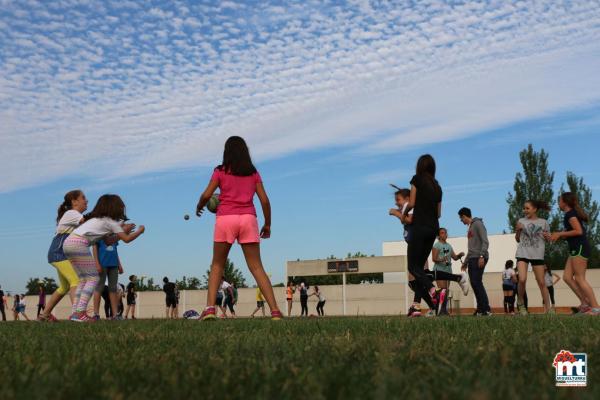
{"x": 332, "y": 358}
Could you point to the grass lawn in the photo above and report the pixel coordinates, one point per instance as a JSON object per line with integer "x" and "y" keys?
{"x": 309, "y": 359}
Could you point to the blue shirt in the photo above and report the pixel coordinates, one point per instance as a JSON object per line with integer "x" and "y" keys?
{"x": 107, "y": 255}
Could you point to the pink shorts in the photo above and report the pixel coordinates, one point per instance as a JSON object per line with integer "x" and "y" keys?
{"x": 243, "y": 227}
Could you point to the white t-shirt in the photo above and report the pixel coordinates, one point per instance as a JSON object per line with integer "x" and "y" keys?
{"x": 69, "y": 221}
{"x": 321, "y": 296}
{"x": 97, "y": 228}
{"x": 507, "y": 275}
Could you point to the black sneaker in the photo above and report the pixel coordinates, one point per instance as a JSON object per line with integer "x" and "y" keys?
{"x": 414, "y": 312}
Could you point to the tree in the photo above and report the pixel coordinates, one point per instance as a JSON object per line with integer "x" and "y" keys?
{"x": 191, "y": 283}
{"x": 535, "y": 182}
{"x": 576, "y": 185}
{"x": 33, "y": 285}
{"x": 231, "y": 273}
{"x": 148, "y": 286}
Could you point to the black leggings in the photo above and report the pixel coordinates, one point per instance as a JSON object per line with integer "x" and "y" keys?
{"x": 443, "y": 276}
{"x": 304, "y": 305}
{"x": 419, "y": 247}
{"x": 40, "y": 309}
{"x": 551, "y": 291}
{"x": 320, "y": 307}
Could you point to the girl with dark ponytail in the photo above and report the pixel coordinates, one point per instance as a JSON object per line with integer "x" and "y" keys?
{"x": 69, "y": 217}
{"x": 579, "y": 251}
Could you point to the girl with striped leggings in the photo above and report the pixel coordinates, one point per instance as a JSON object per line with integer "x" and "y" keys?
{"x": 100, "y": 223}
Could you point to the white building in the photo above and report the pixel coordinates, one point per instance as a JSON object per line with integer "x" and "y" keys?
{"x": 502, "y": 248}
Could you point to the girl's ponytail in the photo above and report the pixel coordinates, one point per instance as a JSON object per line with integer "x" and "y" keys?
{"x": 67, "y": 204}
{"x": 570, "y": 199}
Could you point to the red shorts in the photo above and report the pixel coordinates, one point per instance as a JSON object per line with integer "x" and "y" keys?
{"x": 243, "y": 228}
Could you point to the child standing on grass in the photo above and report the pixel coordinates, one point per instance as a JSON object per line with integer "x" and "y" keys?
{"x": 101, "y": 222}
{"x": 131, "y": 297}
{"x": 289, "y": 297}
{"x": 508, "y": 281}
{"x": 321, "y": 300}
{"x": 575, "y": 234}
{"x": 108, "y": 261}
{"x": 238, "y": 181}
{"x": 530, "y": 234}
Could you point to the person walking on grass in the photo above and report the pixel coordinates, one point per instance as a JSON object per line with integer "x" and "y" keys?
{"x": 260, "y": 303}
{"x": 321, "y": 300}
{"x": 238, "y": 181}
{"x": 531, "y": 232}
{"x": 170, "y": 298}
{"x": 131, "y": 297}
{"x": 477, "y": 258}
{"x": 41, "y": 300}
{"x": 303, "y": 299}
{"x": 228, "y": 298}
{"x": 442, "y": 255}
{"x": 575, "y": 233}
{"x": 508, "y": 284}
{"x": 426, "y": 201}
{"x": 2, "y": 304}
{"x": 21, "y": 305}
{"x": 551, "y": 279}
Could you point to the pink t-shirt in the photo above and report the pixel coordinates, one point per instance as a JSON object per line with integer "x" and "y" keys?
{"x": 237, "y": 193}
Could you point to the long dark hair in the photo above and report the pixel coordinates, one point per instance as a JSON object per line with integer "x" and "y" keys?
{"x": 67, "y": 204}
{"x": 539, "y": 204}
{"x": 426, "y": 168}
{"x": 109, "y": 205}
{"x": 570, "y": 199}
{"x": 236, "y": 158}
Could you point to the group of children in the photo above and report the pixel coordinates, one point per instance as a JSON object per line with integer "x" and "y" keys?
{"x": 532, "y": 233}
{"x": 84, "y": 249}
{"x": 84, "y": 253}
{"x": 303, "y": 289}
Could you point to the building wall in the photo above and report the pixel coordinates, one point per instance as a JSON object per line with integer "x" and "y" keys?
{"x": 374, "y": 299}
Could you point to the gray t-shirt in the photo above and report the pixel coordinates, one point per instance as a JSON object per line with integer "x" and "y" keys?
{"x": 532, "y": 245}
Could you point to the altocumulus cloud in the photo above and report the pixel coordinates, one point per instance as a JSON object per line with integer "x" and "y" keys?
{"x": 152, "y": 87}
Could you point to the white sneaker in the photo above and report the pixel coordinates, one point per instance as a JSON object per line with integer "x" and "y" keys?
{"x": 464, "y": 283}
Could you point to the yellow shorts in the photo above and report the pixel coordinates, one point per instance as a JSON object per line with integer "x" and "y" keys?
{"x": 67, "y": 276}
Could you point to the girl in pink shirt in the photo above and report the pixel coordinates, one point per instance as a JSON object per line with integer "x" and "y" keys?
{"x": 238, "y": 181}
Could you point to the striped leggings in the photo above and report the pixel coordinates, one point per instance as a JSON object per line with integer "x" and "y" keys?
{"x": 78, "y": 252}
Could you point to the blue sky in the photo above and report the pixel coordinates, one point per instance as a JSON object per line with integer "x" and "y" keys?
{"x": 336, "y": 100}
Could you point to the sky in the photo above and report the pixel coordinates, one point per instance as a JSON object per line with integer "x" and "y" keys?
{"x": 335, "y": 99}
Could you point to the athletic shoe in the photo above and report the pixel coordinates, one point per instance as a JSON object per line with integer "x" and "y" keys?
{"x": 73, "y": 317}
{"x": 444, "y": 313}
{"x": 430, "y": 314}
{"x": 485, "y": 314}
{"x": 47, "y": 318}
{"x": 96, "y": 317}
{"x": 83, "y": 317}
{"x": 593, "y": 311}
{"x": 276, "y": 315}
{"x": 117, "y": 318}
{"x": 208, "y": 314}
{"x": 415, "y": 308}
{"x": 441, "y": 295}
{"x": 464, "y": 283}
{"x": 522, "y": 310}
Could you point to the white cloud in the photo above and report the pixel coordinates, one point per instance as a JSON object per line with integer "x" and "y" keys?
{"x": 171, "y": 84}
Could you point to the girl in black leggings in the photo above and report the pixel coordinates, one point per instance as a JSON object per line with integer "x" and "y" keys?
{"x": 426, "y": 200}
{"x": 304, "y": 299}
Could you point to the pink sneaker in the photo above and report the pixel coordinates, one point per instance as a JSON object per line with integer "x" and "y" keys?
{"x": 208, "y": 314}
{"x": 276, "y": 315}
{"x": 83, "y": 317}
